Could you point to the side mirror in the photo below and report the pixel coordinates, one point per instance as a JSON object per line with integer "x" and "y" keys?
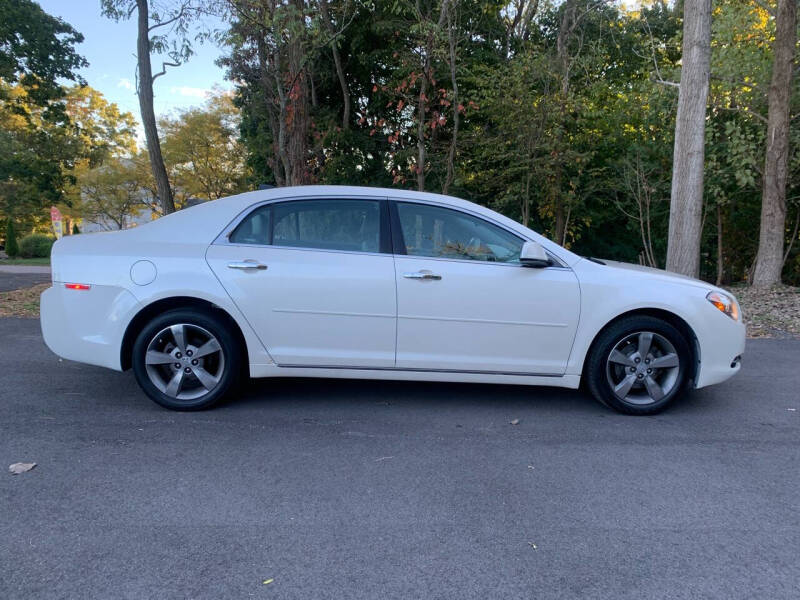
{"x": 533, "y": 255}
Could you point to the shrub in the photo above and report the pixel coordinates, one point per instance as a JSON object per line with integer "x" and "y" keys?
{"x": 12, "y": 248}
{"x": 35, "y": 246}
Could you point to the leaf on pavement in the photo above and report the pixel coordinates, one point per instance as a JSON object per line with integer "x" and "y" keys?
{"x": 18, "y": 468}
{"x": 515, "y": 422}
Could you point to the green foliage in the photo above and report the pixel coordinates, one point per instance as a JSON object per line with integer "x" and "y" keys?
{"x": 12, "y": 248}
{"x": 37, "y": 50}
{"x": 35, "y": 245}
{"x": 202, "y": 151}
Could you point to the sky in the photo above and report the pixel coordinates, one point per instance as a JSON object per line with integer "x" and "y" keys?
{"x": 110, "y": 48}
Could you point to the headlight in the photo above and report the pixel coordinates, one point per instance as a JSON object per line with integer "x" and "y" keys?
{"x": 725, "y": 304}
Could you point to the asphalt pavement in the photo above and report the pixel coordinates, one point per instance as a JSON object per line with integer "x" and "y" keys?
{"x": 314, "y": 489}
{"x": 17, "y": 277}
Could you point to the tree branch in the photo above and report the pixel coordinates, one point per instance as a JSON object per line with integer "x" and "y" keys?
{"x": 163, "y": 70}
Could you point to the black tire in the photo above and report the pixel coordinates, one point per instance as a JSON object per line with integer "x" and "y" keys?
{"x": 599, "y": 372}
{"x": 228, "y": 359}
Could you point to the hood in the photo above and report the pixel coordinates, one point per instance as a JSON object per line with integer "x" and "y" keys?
{"x": 657, "y": 274}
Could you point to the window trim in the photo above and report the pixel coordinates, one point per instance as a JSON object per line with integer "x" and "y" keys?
{"x": 398, "y": 242}
{"x": 384, "y": 238}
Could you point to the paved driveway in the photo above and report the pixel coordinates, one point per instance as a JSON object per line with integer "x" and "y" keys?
{"x": 393, "y": 490}
{"x": 13, "y": 277}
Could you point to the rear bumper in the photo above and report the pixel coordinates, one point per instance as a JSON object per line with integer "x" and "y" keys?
{"x": 87, "y": 325}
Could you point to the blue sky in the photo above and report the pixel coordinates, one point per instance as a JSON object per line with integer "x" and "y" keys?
{"x": 110, "y": 49}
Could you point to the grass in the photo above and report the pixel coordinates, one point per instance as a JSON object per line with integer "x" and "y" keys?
{"x": 25, "y": 261}
{"x": 22, "y": 303}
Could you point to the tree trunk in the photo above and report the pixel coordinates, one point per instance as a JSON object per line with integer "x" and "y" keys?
{"x": 451, "y": 155}
{"x": 145, "y": 91}
{"x": 769, "y": 261}
{"x": 686, "y": 201}
{"x": 568, "y": 23}
{"x": 720, "y": 258}
{"x": 337, "y": 61}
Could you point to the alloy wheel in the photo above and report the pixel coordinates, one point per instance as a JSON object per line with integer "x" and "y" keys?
{"x": 185, "y": 361}
{"x": 642, "y": 368}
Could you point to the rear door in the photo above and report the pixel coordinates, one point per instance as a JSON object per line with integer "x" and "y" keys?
{"x": 315, "y": 279}
{"x": 465, "y": 303}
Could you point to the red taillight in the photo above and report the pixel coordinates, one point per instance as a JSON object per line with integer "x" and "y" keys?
{"x": 76, "y": 286}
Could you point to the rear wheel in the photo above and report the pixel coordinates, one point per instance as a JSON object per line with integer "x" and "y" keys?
{"x": 186, "y": 359}
{"x": 639, "y": 365}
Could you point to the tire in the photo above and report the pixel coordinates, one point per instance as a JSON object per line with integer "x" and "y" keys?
{"x": 618, "y": 375}
{"x": 193, "y": 347}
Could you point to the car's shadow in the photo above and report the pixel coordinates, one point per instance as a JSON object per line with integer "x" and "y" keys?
{"x": 315, "y": 392}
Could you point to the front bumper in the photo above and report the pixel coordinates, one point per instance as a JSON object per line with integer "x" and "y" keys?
{"x": 721, "y": 342}
{"x": 87, "y": 325}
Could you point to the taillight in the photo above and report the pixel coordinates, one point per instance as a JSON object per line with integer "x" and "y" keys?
{"x": 76, "y": 286}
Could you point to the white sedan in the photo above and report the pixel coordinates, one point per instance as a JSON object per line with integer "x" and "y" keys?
{"x": 372, "y": 283}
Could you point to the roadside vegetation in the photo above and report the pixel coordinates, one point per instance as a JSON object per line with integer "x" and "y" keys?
{"x": 665, "y": 133}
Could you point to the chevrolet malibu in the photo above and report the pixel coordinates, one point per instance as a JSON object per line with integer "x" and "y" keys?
{"x": 368, "y": 283}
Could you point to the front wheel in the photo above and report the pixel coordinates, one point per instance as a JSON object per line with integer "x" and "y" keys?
{"x": 186, "y": 359}
{"x": 639, "y": 365}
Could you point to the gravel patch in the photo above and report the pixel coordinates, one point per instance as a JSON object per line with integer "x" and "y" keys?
{"x": 772, "y": 312}
{"x": 22, "y": 303}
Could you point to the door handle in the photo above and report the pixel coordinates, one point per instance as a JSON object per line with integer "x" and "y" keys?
{"x": 422, "y": 275}
{"x": 247, "y": 265}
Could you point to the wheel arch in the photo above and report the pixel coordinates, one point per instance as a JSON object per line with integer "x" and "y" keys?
{"x": 157, "y": 307}
{"x": 670, "y": 317}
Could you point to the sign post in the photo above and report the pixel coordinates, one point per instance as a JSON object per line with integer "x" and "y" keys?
{"x": 55, "y": 217}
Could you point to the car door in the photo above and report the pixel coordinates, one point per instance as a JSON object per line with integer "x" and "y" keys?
{"x": 315, "y": 279}
{"x": 466, "y": 304}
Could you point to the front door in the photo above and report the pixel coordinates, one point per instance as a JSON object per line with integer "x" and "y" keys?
{"x": 466, "y": 304}
{"x": 315, "y": 279}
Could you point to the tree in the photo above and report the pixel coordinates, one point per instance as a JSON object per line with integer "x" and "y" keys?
{"x": 111, "y": 194}
{"x": 686, "y": 200}
{"x": 202, "y": 151}
{"x": 176, "y": 17}
{"x": 37, "y": 50}
{"x": 43, "y": 156}
{"x": 36, "y": 55}
{"x": 12, "y": 248}
{"x": 770, "y": 257}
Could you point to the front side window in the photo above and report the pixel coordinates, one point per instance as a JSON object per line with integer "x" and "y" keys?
{"x": 444, "y": 233}
{"x": 349, "y": 225}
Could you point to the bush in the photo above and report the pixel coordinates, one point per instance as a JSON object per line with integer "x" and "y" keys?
{"x": 12, "y": 249}
{"x": 35, "y": 246}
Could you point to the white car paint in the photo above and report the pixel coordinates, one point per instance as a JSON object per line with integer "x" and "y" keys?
{"x": 323, "y": 313}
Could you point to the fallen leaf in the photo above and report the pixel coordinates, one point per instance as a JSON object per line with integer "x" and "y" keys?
{"x": 532, "y": 545}
{"x": 515, "y": 422}
{"x": 18, "y": 468}
{"x": 530, "y": 467}
{"x": 267, "y": 581}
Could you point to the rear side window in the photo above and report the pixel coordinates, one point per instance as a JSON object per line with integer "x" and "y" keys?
{"x": 256, "y": 227}
{"x": 348, "y": 225}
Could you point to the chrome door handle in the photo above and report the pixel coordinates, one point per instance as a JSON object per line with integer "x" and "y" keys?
{"x": 422, "y": 275}
{"x": 247, "y": 264}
